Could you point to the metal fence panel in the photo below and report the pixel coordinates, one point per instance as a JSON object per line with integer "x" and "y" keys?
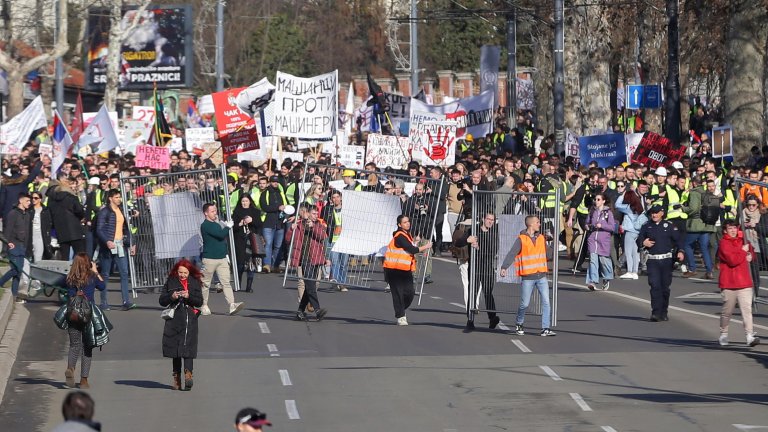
{"x": 360, "y": 215}
{"x": 497, "y": 219}
{"x": 164, "y": 212}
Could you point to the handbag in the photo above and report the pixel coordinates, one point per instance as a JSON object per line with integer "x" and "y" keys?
{"x": 60, "y": 317}
{"x": 79, "y": 309}
{"x": 169, "y": 312}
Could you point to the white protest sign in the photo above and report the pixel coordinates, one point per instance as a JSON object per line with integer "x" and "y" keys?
{"x": 205, "y": 105}
{"x": 46, "y": 149}
{"x": 176, "y": 144}
{"x": 388, "y": 151}
{"x": 134, "y": 132}
{"x": 632, "y": 142}
{"x": 352, "y": 156}
{"x": 435, "y": 143}
{"x": 143, "y": 113}
{"x": 473, "y": 115}
{"x": 571, "y": 144}
{"x": 16, "y": 132}
{"x": 196, "y": 137}
{"x": 306, "y": 107}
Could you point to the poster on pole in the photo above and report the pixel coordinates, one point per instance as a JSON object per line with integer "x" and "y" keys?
{"x": 434, "y": 143}
{"x": 607, "y": 150}
{"x": 571, "y": 144}
{"x": 655, "y": 150}
{"x": 633, "y": 141}
{"x": 135, "y": 132}
{"x": 473, "y": 115}
{"x": 352, "y": 156}
{"x": 196, "y": 137}
{"x": 306, "y": 107}
{"x": 237, "y": 130}
{"x": 722, "y": 141}
{"x": 153, "y": 157}
{"x": 388, "y": 151}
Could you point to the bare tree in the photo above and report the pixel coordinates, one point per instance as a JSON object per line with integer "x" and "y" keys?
{"x": 117, "y": 34}
{"x": 17, "y": 67}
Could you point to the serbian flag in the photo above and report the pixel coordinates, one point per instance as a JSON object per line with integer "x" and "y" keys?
{"x": 62, "y": 142}
{"x": 193, "y": 116}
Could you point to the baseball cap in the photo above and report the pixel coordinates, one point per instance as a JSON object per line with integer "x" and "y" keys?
{"x": 252, "y": 417}
{"x": 274, "y": 178}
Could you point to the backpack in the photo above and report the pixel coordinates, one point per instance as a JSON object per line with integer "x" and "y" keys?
{"x": 709, "y": 214}
{"x": 79, "y": 311}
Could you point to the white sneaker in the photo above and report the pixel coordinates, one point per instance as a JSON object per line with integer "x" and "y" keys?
{"x": 635, "y": 276}
{"x": 752, "y": 339}
{"x": 234, "y": 308}
{"x": 402, "y": 321}
{"x": 626, "y": 276}
{"x": 561, "y": 247}
{"x": 723, "y": 339}
{"x": 205, "y": 310}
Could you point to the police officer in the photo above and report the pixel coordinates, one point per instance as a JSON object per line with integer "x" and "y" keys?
{"x": 663, "y": 242}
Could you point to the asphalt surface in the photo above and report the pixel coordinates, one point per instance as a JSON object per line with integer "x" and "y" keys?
{"x": 608, "y": 369}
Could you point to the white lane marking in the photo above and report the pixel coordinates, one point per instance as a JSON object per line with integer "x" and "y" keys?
{"x": 290, "y": 408}
{"x": 580, "y": 402}
{"x": 745, "y": 427}
{"x": 436, "y": 298}
{"x": 675, "y": 308}
{"x": 608, "y": 429}
{"x": 458, "y": 305}
{"x": 264, "y": 327}
{"x": 552, "y": 374}
{"x": 521, "y": 346}
{"x": 273, "y": 350}
{"x": 448, "y": 260}
{"x": 285, "y": 378}
{"x": 503, "y": 326}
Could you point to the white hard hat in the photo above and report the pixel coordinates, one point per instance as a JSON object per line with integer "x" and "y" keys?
{"x": 661, "y": 171}
{"x": 94, "y": 181}
{"x": 289, "y": 210}
{"x": 677, "y": 165}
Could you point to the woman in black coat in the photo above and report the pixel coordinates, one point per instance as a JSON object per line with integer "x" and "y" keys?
{"x": 183, "y": 289}
{"x": 249, "y": 243}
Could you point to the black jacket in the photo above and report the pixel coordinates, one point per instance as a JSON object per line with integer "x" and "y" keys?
{"x": 67, "y": 214}
{"x": 180, "y": 333}
{"x": 270, "y": 202}
{"x": 241, "y": 235}
{"x": 13, "y": 186}
{"x": 17, "y": 228}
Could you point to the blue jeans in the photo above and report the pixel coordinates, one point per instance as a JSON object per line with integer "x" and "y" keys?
{"x": 273, "y": 237}
{"x": 14, "y": 272}
{"x": 339, "y": 264}
{"x": 542, "y": 286}
{"x": 703, "y": 239}
{"x": 105, "y": 261}
{"x": 631, "y": 252}
{"x": 599, "y": 264}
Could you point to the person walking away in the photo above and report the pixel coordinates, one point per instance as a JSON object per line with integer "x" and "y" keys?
{"x": 309, "y": 235}
{"x": 67, "y": 213}
{"x": 216, "y": 259}
{"x": 735, "y": 282}
{"x": 486, "y": 245}
{"x": 17, "y": 229}
{"x": 634, "y": 218}
{"x": 600, "y": 224}
{"x": 183, "y": 290}
{"x": 399, "y": 265}
{"x": 248, "y": 240}
{"x": 83, "y": 276}
{"x": 663, "y": 241}
{"x": 78, "y": 410}
{"x": 114, "y": 245}
{"x": 530, "y": 254}
{"x": 703, "y": 210}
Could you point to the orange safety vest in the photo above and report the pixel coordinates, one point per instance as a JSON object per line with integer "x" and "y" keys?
{"x": 532, "y": 258}
{"x": 397, "y": 258}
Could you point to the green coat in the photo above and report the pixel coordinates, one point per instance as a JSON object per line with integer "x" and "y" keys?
{"x": 696, "y": 199}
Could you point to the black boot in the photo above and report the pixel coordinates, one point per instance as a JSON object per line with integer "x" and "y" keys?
{"x": 249, "y": 283}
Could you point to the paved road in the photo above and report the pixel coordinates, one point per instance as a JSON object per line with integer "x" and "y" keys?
{"x": 609, "y": 369}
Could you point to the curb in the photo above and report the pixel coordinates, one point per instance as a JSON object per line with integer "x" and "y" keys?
{"x": 14, "y": 321}
{"x": 6, "y": 309}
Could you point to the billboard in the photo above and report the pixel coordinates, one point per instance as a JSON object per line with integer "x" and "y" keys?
{"x": 158, "y": 49}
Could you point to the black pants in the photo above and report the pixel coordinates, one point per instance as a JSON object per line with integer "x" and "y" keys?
{"x": 76, "y": 245}
{"x": 401, "y": 287}
{"x": 583, "y": 252}
{"x": 188, "y": 364}
{"x": 310, "y": 287}
{"x": 438, "y": 234}
{"x": 485, "y": 277}
{"x": 660, "y": 279}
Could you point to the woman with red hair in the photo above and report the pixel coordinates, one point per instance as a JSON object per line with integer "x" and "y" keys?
{"x": 184, "y": 292}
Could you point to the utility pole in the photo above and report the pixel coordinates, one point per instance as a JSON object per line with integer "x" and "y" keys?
{"x": 59, "y": 71}
{"x": 672, "y": 89}
{"x": 512, "y": 69}
{"x": 558, "y": 95}
{"x": 219, "y": 45}
{"x": 414, "y": 49}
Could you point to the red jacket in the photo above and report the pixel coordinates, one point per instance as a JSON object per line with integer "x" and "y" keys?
{"x": 314, "y": 251}
{"x": 734, "y": 268}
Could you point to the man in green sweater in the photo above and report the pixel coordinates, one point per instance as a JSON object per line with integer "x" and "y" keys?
{"x": 215, "y": 259}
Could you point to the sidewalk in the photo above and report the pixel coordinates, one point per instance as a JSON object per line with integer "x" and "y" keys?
{"x": 11, "y": 332}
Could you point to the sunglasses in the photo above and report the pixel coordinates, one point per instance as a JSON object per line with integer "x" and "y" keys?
{"x": 36, "y": 198}
{"x": 620, "y": 185}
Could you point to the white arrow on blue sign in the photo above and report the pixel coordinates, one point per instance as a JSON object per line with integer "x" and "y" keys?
{"x": 643, "y": 96}
{"x": 634, "y": 98}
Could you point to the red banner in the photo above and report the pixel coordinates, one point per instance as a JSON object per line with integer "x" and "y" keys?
{"x": 655, "y": 150}
{"x": 237, "y": 130}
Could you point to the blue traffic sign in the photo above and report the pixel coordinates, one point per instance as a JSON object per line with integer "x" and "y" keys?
{"x": 643, "y": 96}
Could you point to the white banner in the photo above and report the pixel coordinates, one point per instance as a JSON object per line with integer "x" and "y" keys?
{"x": 306, "y": 107}
{"x": 388, "y": 151}
{"x": 473, "y": 114}
{"x": 143, "y": 113}
{"x": 196, "y": 137}
{"x": 135, "y": 132}
{"x": 434, "y": 143}
{"x": 352, "y": 156}
{"x": 16, "y": 132}
{"x": 176, "y": 234}
{"x": 632, "y": 141}
{"x": 368, "y": 220}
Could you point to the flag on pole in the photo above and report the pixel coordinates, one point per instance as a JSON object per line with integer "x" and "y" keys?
{"x": 62, "y": 142}
{"x": 162, "y": 132}
{"x": 194, "y": 119}
{"x": 100, "y": 135}
{"x": 77, "y": 121}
